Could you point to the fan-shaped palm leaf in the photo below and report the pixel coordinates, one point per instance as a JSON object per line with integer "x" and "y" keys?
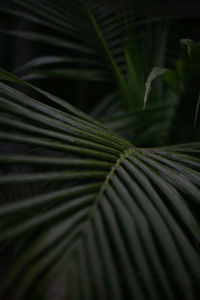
{"x": 107, "y": 220}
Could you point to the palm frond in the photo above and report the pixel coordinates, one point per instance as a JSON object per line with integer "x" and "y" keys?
{"x": 107, "y": 221}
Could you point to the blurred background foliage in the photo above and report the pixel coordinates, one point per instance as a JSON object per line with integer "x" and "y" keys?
{"x": 100, "y": 61}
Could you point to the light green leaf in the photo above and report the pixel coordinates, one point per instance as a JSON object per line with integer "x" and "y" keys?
{"x": 197, "y": 111}
{"x": 155, "y": 73}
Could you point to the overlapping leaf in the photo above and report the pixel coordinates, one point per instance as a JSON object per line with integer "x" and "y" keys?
{"x": 92, "y": 216}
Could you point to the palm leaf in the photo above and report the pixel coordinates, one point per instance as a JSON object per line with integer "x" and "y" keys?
{"x": 107, "y": 220}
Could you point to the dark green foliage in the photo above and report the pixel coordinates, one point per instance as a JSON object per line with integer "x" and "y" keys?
{"x": 85, "y": 214}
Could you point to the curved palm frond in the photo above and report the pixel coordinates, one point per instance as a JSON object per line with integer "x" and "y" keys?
{"x": 106, "y": 220}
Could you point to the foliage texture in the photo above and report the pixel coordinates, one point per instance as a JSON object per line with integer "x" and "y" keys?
{"x": 86, "y": 211}
{"x": 88, "y": 208}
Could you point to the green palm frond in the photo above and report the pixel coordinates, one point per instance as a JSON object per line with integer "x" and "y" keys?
{"x": 106, "y": 220}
